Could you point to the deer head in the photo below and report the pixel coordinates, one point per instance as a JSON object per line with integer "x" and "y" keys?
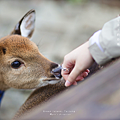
{"x": 21, "y": 64}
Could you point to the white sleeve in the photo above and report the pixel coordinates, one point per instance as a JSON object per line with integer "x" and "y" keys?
{"x": 95, "y": 39}
{"x": 105, "y": 44}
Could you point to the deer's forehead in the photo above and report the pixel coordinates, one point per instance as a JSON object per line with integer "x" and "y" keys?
{"x": 17, "y": 43}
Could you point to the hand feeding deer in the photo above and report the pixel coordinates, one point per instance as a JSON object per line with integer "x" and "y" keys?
{"x": 22, "y": 66}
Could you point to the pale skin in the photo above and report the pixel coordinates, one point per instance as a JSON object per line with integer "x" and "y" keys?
{"x": 77, "y": 61}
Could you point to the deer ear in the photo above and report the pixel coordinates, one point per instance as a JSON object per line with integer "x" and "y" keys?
{"x": 26, "y": 25}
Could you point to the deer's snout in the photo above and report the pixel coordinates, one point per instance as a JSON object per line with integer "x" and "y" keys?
{"x": 56, "y": 71}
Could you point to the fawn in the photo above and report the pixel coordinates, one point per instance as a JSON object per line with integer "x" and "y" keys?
{"x": 22, "y": 66}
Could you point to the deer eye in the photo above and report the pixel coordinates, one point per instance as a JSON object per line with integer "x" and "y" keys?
{"x": 16, "y": 64}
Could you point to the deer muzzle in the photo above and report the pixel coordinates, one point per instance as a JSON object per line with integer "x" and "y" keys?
{"x": 57, "y": 72}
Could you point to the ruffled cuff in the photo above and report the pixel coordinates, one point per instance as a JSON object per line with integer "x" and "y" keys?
{"x": 96, "y": 50}
{"x": 105, "y": 45}
{"x": 99, "y": 56}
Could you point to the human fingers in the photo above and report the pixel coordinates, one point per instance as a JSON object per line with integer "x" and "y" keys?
{"x": 65, "y": 72}
{"x": 75, "y": 83}
{"x": 73, "y": 75}
{"x": 82, "y": 76}
{"x": 79, "y": 78}
{"x": 87, "y": 70}
{"x": 65, "y": 76}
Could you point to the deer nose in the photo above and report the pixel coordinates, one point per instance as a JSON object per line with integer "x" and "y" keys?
{"x": 57, "y": 72}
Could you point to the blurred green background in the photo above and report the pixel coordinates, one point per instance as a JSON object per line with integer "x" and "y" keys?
{"x": 61, "y": 26}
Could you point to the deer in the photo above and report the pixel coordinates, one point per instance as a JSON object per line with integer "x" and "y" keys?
{"x": 22, "y": 66}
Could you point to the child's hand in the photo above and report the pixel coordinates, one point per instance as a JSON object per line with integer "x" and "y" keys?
{"x": 77, "y": 62}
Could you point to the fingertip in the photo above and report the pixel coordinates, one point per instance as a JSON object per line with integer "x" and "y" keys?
{"x": 86, "y": 74}
{"x": 88, "y": 70}
{"x": 67, "y": 83}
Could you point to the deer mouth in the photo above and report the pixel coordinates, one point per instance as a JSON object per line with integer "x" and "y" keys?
{"x": 52, "y": 79}
{"x": 56, "y": 72}
{"x": 44, "y": 81}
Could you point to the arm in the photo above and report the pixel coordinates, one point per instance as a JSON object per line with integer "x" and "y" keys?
{"x": 103, "y": 46}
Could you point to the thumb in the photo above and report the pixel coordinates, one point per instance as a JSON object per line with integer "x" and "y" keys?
{"x": 73, "y": 75}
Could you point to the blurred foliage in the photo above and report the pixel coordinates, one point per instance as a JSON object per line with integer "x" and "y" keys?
{"x": 77, "y": 1}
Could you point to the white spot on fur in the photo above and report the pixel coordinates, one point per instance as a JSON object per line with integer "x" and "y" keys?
{"x": 45, "y": 83}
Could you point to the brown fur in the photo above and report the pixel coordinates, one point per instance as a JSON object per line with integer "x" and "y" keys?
{"x": 34, "y": 65}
